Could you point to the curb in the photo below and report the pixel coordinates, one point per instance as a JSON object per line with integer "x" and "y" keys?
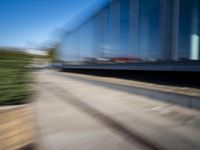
{"x": 16, "y": 126}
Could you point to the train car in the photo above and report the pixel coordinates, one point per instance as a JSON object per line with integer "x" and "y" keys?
{"x": 136, "y": 35}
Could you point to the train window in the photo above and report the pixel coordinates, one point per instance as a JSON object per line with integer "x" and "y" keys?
{"x": 149, "y": 30}
{"x": 189, "y": 30}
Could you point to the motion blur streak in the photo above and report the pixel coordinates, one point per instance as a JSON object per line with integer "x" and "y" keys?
{"x": 99, "y": 74}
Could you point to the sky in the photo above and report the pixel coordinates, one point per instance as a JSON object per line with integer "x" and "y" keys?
{"x": 31, "y": 23}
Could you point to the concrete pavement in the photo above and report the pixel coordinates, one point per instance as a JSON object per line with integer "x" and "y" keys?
{"x": 60, "y": 126}
{"x": 74, "y": 114}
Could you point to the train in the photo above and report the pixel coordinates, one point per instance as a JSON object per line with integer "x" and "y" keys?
{"x": 154, "y": 35}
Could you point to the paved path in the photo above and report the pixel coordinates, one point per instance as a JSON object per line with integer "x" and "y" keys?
{"x": 74, "y": 114}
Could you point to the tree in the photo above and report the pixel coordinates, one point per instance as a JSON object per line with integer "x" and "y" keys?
{"x": 52, "y": 53}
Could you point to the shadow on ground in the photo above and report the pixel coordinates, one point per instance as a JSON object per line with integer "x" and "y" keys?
{"x": 188, "y": 79}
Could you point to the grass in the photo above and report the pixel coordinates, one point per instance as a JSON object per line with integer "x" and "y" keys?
{"x": 14, "y": 77}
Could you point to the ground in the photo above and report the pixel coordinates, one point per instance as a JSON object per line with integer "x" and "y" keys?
{"x": 74, "y": 114}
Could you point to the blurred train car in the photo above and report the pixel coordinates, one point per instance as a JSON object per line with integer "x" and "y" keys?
{"x": 136, "y": 35}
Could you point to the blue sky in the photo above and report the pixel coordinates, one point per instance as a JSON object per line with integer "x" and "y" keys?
{"x": 29, "y": 23}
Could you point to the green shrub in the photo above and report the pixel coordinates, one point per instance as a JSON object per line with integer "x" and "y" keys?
{"x": 14, "y": 77}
